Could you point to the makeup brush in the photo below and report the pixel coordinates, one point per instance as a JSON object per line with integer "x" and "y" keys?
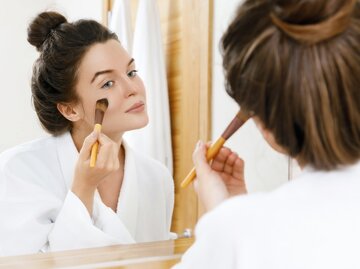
{"x": 240, "y": 118}
{"x": 101, "y": 106}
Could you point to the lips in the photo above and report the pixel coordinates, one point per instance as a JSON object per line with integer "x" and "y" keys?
{"x": 136, "y": 107}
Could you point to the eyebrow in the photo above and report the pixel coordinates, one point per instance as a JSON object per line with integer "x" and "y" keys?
{"x": 100, "y": 73}
{"x": 108, "y": 71}
{"x": 131, "y": 61}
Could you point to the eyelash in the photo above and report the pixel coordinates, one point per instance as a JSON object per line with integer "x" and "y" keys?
{"x": 106, "y": 85}
{"x": 132, "y": 73}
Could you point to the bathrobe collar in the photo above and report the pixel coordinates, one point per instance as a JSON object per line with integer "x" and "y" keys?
{"x": 127, "y": 208}
{"x": 68, "y": 156}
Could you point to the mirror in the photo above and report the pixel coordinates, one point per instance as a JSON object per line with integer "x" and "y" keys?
{"x": 24, "y": 126}
{"x": 197, "y": 98}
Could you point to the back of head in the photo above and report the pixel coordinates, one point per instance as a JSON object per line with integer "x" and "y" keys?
{"x": 296, "y": 65}
{"x": 62, "y": 45}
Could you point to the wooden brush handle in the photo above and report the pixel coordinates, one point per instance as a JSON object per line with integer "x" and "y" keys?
{"x": 210, "y": 154}
{"x": 94, "y": 148}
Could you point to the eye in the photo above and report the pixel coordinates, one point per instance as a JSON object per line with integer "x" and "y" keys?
{"x": 132, "y": 73}
{"x": 108, "y": 84}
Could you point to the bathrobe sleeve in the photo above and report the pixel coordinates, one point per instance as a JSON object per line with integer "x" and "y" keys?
{"x": 26, "y": 213}
{"x": 38, "y": 212}
{"x": 33, "y": 220}
{"x": 74, "y": 228}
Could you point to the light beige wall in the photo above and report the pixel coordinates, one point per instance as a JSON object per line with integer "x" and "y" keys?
{"x": 80, "y": 9}
{"x": 18, "y": 119}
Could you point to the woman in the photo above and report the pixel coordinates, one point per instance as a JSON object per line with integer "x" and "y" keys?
{"x": 50, "y": 199}
{"x": 295, "y": 65}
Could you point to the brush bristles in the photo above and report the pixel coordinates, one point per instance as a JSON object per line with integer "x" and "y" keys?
{"x": 101, "y": 106}
{"x": 244, "y": 116}
{"x": 235, "y": 124}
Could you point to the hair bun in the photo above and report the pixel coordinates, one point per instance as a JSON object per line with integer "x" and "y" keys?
{"x": 40, "y": 28}
{"x": 312, "y": 21}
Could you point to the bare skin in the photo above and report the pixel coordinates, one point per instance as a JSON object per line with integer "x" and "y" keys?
{"x": 106, "y": 71}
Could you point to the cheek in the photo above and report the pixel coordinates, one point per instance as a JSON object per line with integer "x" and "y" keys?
{"x": 86, "y": 108}
{"x": 115, "y": 103}
{"x": 115, "y": 108}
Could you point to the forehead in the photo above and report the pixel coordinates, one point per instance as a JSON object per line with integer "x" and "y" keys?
{"x": 103, "y": 56}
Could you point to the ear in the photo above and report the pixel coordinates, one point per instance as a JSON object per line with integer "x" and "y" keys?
{"x": 69, "y": 111}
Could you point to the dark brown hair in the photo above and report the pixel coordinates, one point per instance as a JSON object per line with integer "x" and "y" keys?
{"x": 296, "y": 65}
{"x": 62, "y": 45}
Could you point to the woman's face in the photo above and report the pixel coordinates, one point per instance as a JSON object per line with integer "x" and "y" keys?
{"x": 107, "y": 71}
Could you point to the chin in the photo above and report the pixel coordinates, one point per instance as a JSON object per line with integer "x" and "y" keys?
{"x": 138, "y": 125}
{"x": 128, "y": 124}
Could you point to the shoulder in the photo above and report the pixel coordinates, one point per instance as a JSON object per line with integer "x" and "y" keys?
{"x": 218, "y": 232}
{"x": 28, "y": 154}
{"x": 29, "y": 148}
{"x": 233, "y": 212}
{"x": 294, "y": 200}
{"x": 250, "y": 212}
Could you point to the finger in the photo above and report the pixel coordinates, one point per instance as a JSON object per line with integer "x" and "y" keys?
{"x": 104, "y": 139}
{"x": 229, "y": 163}
{"x": 217, "y": 165}
{"x": 199, "y": 159}
{"x": 238, "y": 169}
{"x": 89, "y": 141}
{"x": 108, "y": 150}
{"x": 219, "y": 161}
{"x": 196, "y": 185}
{"x": 223, "y": 154}
{"x": 104, "y": 161}
{"x": 116, "y": 151}
{"x": 106, "y": 156}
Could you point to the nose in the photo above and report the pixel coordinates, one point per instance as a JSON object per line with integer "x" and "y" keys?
{"x": 129, "y": 87}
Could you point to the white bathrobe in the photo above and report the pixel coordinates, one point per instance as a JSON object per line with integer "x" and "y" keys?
{"x": 40, "y": 213}
{"x": 312, "y": 222}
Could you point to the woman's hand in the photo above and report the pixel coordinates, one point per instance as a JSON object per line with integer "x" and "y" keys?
{"x": 221, "y": 179}
{"x": 86, "y": 178}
